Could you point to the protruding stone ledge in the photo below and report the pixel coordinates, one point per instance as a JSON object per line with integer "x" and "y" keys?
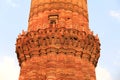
{"x": 57, "y": 40}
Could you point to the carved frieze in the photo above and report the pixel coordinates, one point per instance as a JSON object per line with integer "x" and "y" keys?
{"x": 57, "y": 40}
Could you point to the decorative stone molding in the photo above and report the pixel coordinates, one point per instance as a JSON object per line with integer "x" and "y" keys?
{"x": 58, "y": 40}
{"x": 48, "y": 6}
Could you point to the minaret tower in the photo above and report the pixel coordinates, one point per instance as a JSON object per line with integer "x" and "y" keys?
{"x": 58, "y": 44}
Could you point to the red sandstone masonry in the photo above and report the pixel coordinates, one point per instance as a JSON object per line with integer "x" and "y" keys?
{"x": 58, "y": 44}
{"x": 43, "y": 68}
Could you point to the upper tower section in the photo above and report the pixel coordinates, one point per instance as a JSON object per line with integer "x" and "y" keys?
{"x": 58, "y": 13}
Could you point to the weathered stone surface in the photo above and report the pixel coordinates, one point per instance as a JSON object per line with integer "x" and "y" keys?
{"x": 56, "y": 67}
{"x": 72, "y": 14}
{"x": 57, "y": 40}
{"x": 58, "y": 44}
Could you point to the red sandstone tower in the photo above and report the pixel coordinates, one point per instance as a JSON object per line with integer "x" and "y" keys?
{"x": 58, "y": 44}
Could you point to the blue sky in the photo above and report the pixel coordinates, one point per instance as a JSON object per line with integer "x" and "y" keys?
{"x": 104, "y": 20}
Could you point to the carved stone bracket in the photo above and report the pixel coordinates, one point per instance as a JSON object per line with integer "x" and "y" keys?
{"x": 57, "y": 40}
